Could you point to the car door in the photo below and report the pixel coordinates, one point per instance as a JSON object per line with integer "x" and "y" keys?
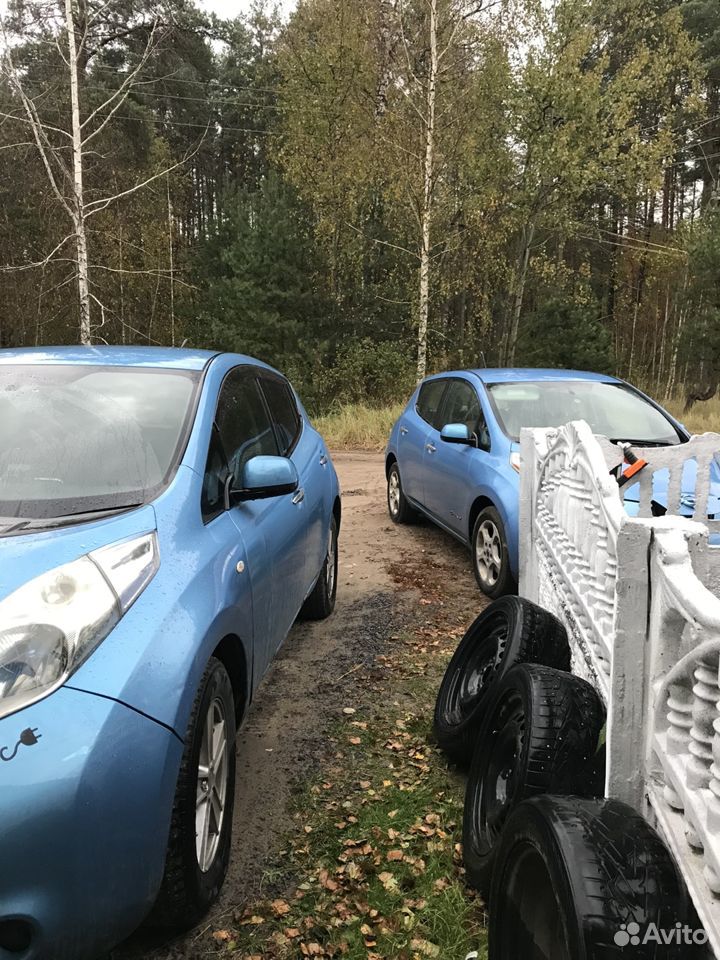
{"x": 417, "y": 423}
{"x": 274, "y": 529}
{"x": 449, "y": 467}
{"x": 305, "y": 448}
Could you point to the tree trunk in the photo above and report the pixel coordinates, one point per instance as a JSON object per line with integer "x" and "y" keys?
{"x": 78, "y": 200}
{"x": 426, "y": 212}
{"x": 518, "y": 297}
{"x": 384, "y": 58}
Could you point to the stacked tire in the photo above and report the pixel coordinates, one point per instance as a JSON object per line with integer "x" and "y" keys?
{"x": 567, "y": 874}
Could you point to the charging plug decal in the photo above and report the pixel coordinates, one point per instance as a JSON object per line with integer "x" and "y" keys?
{"x": 28, "y": 738}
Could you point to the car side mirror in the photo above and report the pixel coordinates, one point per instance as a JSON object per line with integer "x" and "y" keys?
{"x": 457, "y": 433}
{"x": 260, "y": 479}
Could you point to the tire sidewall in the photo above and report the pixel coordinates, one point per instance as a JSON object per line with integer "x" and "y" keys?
{"x": 504, "y": 582}
{"x": 331, "y": 596}
{"x": 204, "y": 887}
{"x": 526, "y": 828}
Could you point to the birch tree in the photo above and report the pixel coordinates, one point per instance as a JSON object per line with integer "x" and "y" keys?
{"x": 441, "y": 44}
{"x": 70, "y": 28}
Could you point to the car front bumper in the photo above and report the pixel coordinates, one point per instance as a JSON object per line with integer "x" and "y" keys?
{"x": 84, "y": 821}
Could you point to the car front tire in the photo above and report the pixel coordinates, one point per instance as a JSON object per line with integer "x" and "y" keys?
{"x": 198, "y": 851}
{"x": 490, "y": 555}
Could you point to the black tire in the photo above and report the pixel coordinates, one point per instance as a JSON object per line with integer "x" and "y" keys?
{"x": 398, "y": 507}
{"x": 511, "y": 630}
{"x": 540, "y": 735}
{"x": 187, "y": 891}
{"x": 490, "y": 555}
{"x": 577, "y": 879}
{"x": 321, "y": 602}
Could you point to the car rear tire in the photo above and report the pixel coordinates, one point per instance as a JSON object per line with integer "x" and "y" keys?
{"x": 198, "y": 851}
{"x": 511, "y": 630}
{"x": 398, "y": 507}
{"x": 539, "y": 736}
{"x": 582, "y": 879}
{"x": 321, "y": 602}
{"x": 490, "y": 555}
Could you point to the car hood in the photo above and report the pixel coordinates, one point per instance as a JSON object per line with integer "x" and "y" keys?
{"x": 661, "y": 482}
{"x": 26, "y": 556}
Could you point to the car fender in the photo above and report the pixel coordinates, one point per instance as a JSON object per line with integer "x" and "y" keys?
{"x": 154, "y": 658}
{"x": 499, "y": 485}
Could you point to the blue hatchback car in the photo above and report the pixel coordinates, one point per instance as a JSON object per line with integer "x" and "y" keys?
{"x": 454, "y": 453}
{"x": 165, "y": 515}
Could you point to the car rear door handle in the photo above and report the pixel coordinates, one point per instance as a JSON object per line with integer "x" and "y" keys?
{"x": 403, "y": 430}
{"x": 430, "y": 447}
{"x": 299, "y": 496}
{"x": 323, "y": 460}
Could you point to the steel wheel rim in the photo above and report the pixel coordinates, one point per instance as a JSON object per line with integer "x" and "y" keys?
{"x": 489, "y": 552}
{"x": 213, "y": 769}
{"x": 330, "y": 562}
{"x": 498, "y": 786}
{"x": 481, "y": 666}
{"x": 394, "y": 492}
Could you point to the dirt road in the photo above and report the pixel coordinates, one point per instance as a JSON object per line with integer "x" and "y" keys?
{"x": 390, "y": 578}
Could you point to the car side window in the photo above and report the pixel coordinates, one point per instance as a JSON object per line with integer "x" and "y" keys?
{"x": 243, "y": 422}
{"x": 429, "y": 401}
{"x": 213, "y": 488}
{"x": 283, "y": 410}
{"x": 463, "y": 406}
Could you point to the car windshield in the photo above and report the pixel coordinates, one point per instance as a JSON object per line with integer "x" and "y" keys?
{"x": 613, "y": 410}
{"x": 79, "y": 438}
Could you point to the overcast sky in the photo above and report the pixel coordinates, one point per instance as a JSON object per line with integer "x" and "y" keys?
{"x": 224, "y": 8}
{"x": 231, "y": 8}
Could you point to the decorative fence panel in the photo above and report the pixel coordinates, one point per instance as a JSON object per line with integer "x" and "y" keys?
{"x": 639, "y": 595}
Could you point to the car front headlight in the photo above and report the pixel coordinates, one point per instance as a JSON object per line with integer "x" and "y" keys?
{"x": 49, "y": 626}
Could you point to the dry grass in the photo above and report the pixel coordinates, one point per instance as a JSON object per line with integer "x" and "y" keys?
{"x": 362, "y": 427}
{"x": 358, "y": 427}
{"x": 703, "y": 417}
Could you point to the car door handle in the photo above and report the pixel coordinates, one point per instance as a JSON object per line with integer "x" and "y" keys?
{"x": 403, "y": 430}
{"x": 323, "y": 460}
{"x": 299, "y": 496}
{"x": 430, "y": 447}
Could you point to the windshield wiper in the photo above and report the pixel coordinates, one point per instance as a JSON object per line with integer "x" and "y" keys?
{"x": 10, "y": 524}
{"x": 83, "y": 516}
{"x": 67, "y": 519}
{"x": 642, "y": 443}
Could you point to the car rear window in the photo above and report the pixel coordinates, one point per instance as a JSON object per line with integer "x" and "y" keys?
{"x": 283, "y": 411}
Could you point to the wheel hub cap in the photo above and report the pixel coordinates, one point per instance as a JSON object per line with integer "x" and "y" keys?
{"x": 211, "y": 786}
{"x": 394, "y": 493}
{"x": 330, "y": 571}
{"x": 489, "y": 553}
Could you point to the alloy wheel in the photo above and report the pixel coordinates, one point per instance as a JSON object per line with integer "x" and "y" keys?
{"x": 212, "y": 782}
{"x": 489, "y": 553}
{"x": 394, "y": 492}
{"x": 330, "y": 563}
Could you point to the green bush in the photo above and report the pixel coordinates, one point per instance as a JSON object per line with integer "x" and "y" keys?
{"x": 368, "y": 371}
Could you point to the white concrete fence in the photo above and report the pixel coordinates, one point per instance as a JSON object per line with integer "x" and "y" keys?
{"x": 641, "y": 600}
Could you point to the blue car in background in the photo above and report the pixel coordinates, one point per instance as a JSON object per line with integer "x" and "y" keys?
{"x": 165, "y": 515}
{"x": 454, "y": 453}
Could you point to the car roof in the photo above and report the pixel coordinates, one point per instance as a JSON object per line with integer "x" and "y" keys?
{"x": 166, "y": 357}
{"x": 524, "y": 374}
